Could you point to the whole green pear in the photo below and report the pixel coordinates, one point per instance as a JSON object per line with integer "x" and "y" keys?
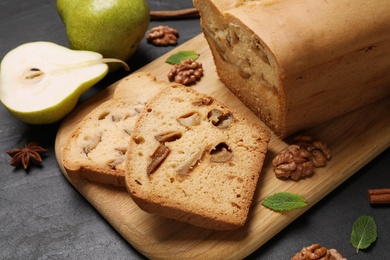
{"x": 113, "y": 28}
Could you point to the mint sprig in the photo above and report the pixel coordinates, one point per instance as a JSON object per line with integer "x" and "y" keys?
{"x": 364, "y": 232}
{"x": 284, "y": 201}
{"x": 182, "y": 55}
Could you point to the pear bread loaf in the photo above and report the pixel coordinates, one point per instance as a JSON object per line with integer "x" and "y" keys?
{"x": 97, "y": 147}
{"x": 299, "y": 63}
{"x": 193, "y": 159}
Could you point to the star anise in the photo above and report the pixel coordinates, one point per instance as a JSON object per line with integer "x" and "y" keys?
{"x": 30, "y": 153}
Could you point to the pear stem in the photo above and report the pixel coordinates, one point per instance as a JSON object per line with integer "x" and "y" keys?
{"x": 91, "y": 63}
{"x": 111, "y": 60}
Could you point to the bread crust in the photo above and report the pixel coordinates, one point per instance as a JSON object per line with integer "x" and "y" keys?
{"x": 299, "y": 63}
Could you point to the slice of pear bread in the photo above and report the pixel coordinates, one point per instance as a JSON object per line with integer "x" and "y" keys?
{"x": 194, "y": 159}
{"x": 96, "y": 149}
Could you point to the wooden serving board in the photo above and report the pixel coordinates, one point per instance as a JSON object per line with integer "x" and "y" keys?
{"x": 354, "y": 140}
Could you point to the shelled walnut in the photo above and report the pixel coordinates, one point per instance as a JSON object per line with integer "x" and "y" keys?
{"x": 318, "y": 149}
{"x": 162, "y": 36}
{"x": 316, "y": 252}
{"x": 186, "y": 72}
{"x": 293, "y": 162}
{"x": 301, "y": 158}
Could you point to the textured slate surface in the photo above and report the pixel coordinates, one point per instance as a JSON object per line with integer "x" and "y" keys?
{"x": 43, "y": 217}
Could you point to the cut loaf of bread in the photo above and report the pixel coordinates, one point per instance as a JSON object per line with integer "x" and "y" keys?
{"x": 298, "y": 63}
{"x": 97, "y": 147}
{"x": 193, "y": 159}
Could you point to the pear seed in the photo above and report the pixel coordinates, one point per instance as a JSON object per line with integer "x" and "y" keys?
{"x": 33, "y": 75}
{"x": 36, "y": 73}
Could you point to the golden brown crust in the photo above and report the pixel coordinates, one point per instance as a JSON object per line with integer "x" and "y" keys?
{"x": 295, "y": 63}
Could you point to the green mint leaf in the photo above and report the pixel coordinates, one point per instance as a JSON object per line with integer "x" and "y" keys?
{"x": 182, "y": 55}
{"x": 364, "y": 232}
{"x": 283, "y": 201}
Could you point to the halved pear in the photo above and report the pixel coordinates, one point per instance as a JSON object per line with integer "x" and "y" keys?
{"x": 41, "y": 82}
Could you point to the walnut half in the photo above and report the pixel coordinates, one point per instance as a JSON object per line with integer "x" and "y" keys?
{"x": 299, "y": 159}
{"x": 162, "y": 36}
{"x": 318, "y": 149}
{"x": 316, "y": 252}
{"x": 293, "y": 162}
{"x": 186, "y": 72}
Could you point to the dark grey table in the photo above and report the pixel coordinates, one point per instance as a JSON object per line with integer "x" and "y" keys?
{"x": 43, "y": 217}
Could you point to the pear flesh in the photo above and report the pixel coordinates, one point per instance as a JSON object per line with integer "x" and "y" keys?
{"x": 40, "y": 82}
